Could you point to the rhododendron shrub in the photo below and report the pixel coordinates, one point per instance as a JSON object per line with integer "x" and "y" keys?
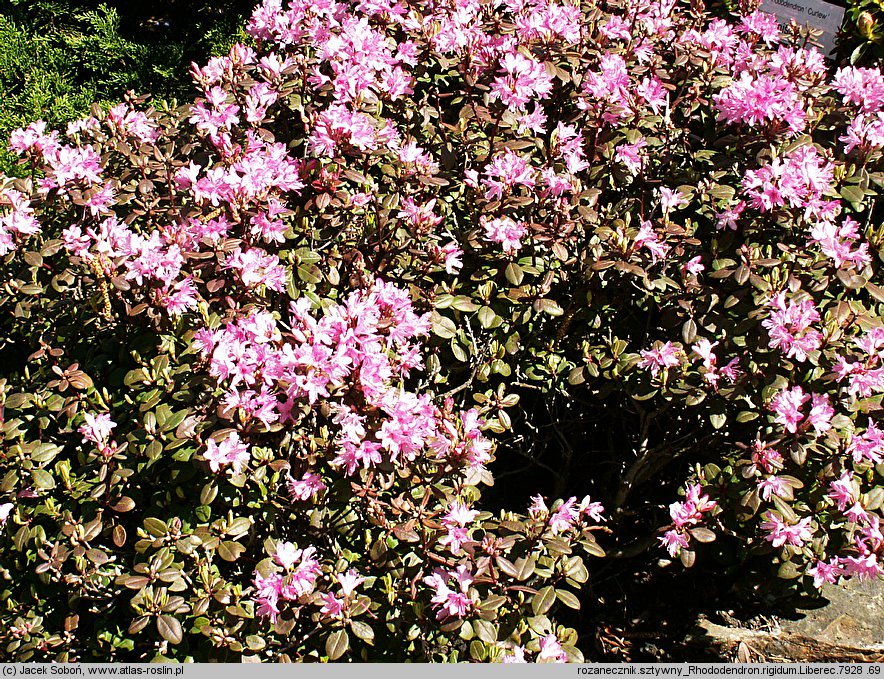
{"x": 268, "y": 351}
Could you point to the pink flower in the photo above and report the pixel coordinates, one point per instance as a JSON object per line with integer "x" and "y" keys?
{"x": 801, "y": 179}
{"x": 517, "y": 655}
{"x": 762, "y": 25}
{"x": 762, "y": 100}
{"x": 302, "y": 570}
{"x": 842, "y": 490}
{"x": 661, "y": 357}
{"x": 307, "y": 487}
{"x": 267, "y": 594}
{"x": 256, "y": 267}
{"x": 789, "y": 327}
{"x": 868, "y": 446}
{"x": 781, "y": 533}
{"x": 861, "y": 86}
{"x": 97, "y": 428}
{"x": 286, "y": 555}
{"x": 862, "y": 567}
{"x": 455, "y": 521}
{"x": 332, "y": 607}
{"x": 564, "y": 517}
{"x": 505, "y": 231}
{"x": 825, "y": 572}
{"x": 695, "y": 266}
{"x": 671, "y": 199}
{"x": 231, "y": 451}
{"x": 674, "y": 541}
{"x": 420, "y": 216}
{"x": 787, "y": 406}
{"x": 5, "y": 510}
{"x": 522, "y": 80}
{"x": 857, "y": 513}
{"x": 837, "y": 242}
{"x": 821, "y": 413}
{"x": 773, "y": 485}
{"x": 728, "y": 217}
{"x": 451, "y": 602}
{"x": 505, "y": 171}
{"x": 459, "y": 514}
{"x": 647, "y": 238}
{"x": 631, "y": 155}
{"x": 551, "y": 650}
{"x": 538, "y": 508}
{"x": 700, "y": 502}
{"x": 349, "y": 581}
{"x": 452, "y": 254}
{"x": 592, "y": 510}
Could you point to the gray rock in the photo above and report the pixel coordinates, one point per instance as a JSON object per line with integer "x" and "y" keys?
{"x": 850, "y": 628}
{"x": 853, "y": 617}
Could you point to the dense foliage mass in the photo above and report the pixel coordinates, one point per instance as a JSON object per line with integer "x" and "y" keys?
{"x": 268, "y": 352}
{"x": 59, "y": 57}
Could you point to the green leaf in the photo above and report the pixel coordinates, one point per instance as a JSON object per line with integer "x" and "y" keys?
{"x": 514, "y": 273}
{"x": 689, "y": 331}
{"x": 525, "y": 567}
{"x": 568, "y": 599}
{"x": 462, "y": 303}
{"x": 442, "y": 326}
{"x": 543, "y": 600}
{"x": 337, "y": 644}
{"x": 230, "y": 551}
{"x": 492, "y": 603}
{"x": 485, "y": 630}
{"x": 548, "y": 306}
{"x": 489, "y": 319}
{"x": 42, "y": 479}
{"x": 155, "y": 526}
{"x": 362, "y": 630}
{"x": 255, "y": 643}
{"x": 852, "y": 193}
{"x": 788, "y": 571}
{"x": 701, "y": 534}
{"x": 310, "y": 273}
{"x": 170, "y": 629}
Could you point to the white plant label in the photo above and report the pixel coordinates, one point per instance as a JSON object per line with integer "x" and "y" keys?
{"x": 820, "y": 15}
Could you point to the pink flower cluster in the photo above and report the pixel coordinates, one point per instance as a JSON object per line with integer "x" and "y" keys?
{"x": 300, "y": 570}
{"x": 452, "y": 602}
{"x": 5, "y": 510}
{"x": 231, "y": 451}
{"x": 789, "y": 327}
{"x": 662, "y": 357}
{"x": 838, "y": 242}
{"x": 686, "y": 515}
{"x": 864, "y": 376}
{"x": 364, "y": 346}
{"x": 788, "y": 406}
{"x": 155, "y": 261}
{"x": 16, "y": 219}
{"x": 571, "y": 514}
{"x": 867, "y": 447}
{"x": 712, "y": 373}
{"x": 97, "y": 429}
{"x": 505, "y": 231}
{"x": 866, "y": 562}
{"x": 799, "y": 179}
{"x": 456, "y": 522}
{"x": 780, "y": 533}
